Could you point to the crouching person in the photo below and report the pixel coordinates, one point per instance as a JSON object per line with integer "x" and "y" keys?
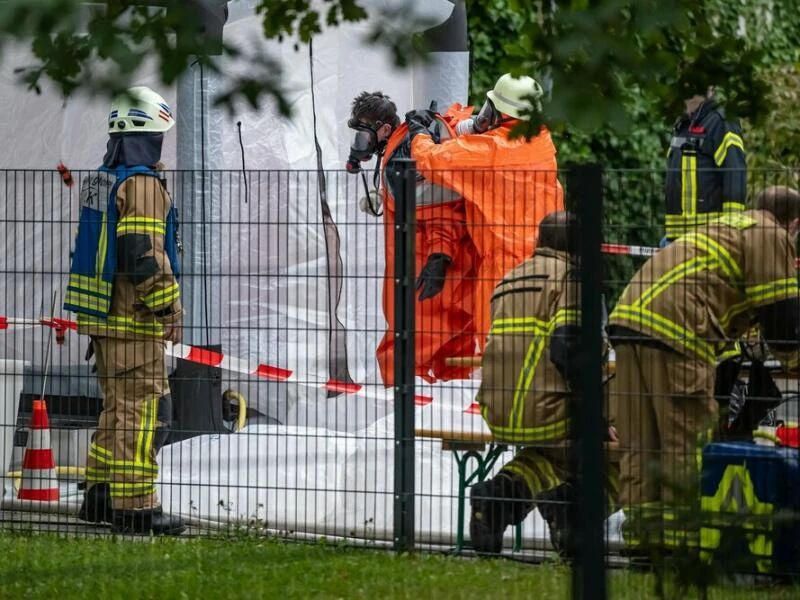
{"x": 529, "y": 369}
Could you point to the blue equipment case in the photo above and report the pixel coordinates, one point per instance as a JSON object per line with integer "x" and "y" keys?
{"x": 750, "y": 498}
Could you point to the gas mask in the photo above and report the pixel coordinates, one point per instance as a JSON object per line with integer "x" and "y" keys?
{"x": 364, "y": 144}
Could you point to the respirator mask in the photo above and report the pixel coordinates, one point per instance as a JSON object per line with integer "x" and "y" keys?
{"x": 487, "y": 118}
{"x": 364, "y": 144}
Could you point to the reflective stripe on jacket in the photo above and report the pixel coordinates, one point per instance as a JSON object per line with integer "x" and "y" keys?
{"x": 702, "y": 291}
{"x": 706, "y": 170}
{"x": 523, "y": 396}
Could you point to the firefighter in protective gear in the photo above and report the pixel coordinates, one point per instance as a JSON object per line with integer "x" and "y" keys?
{"x": 508, "y": 185}
{"x": 123, "y": 285}
{"x": 679, "y": 311}
{"x": 529, "y": 371}
{"x": 706, "y": 170}
{"x": 445, "y": 256}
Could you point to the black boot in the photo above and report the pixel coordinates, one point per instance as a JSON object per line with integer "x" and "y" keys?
{"x": 555, "y": 506}
{"x": 146, "y": 521}
{"x": 496, "y": 504}
{"x": 96, "y": 507}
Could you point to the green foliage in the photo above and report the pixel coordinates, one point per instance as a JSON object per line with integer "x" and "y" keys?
{"x": 98, "y": 46}
{"x": 614, "y": 102}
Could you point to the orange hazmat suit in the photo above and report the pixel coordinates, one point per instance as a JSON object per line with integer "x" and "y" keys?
{"x": 480, "y": 203}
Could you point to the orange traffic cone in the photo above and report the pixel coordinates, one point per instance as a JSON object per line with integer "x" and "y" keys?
{"x": 39, "y": 481}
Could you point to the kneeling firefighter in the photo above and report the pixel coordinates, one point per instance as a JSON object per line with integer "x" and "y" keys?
{"x": 123, "y": 285}
{"x": 529, "y": 371}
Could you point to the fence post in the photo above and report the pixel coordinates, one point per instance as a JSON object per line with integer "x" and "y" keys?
{"x": 584, "y": 189}
{"x": 404, "y": 175}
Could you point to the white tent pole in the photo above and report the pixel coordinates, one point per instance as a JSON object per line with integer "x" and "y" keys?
{"x": 197, "y": 193}
{"x": 445, "y": 79}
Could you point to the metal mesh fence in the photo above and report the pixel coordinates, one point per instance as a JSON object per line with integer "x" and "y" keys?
{"x": 415, "y": 377}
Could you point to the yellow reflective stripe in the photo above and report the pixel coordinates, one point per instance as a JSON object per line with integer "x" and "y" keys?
{"x": 729, "y": 266}
{"x": 733, "y": 312}
{"x": 565, "y": 316}
{"x": 91, "y": 284}
{"x": 678, "y": 225}
{"x": 141, "y": 225}
{"x": 528, "y": 435}
{"x": 732, "y": 503}
{"x": 94, "y": 474}
{"x": 524, "y": 379}
{"x": 732, "y": 353}
{"x": 84, "y": 300}
{"x": 698, "y": 219}
{"x": 147, "y": 422}
{"x": 539, "y": 476}
{"x": 122, "y": 324}
{"x": 128, "y": 470}
{"x": 672, "y": 331}
{"x": 102, "y": 246}
{"x": 774, "y": 290}
{"x": 516, "y": 321}
{"x": 100, "y": 450}
{"x": 684, "y": 269}
{"x": 730, "y": 139}
{"x": 689, "y": 184}
{"x": 132, "y": 490}
{"x": 163, "y": 297}
{"x": 124, "y": 466}
{"x": 732, "y": 207}
{"x": 516, "y": 329}
{"x": 737, "y": 221}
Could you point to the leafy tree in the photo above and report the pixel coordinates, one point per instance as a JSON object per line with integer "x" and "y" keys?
{"x": 98, "y": 46}
{"x": 592, "y": 50}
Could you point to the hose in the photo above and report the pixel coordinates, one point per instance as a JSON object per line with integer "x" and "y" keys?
{"x": 65, "y": 471}
{"x": 242, "y": 419}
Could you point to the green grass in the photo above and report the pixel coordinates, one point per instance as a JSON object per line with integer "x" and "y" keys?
{"x": 46, "y": 566}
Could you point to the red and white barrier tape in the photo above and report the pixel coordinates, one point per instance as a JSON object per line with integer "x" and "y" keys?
{"x": 628, "y": 250}
{"x": 269, "y": 372}
{"x": 210, "y": 358}
{"x": 645, "y": 251}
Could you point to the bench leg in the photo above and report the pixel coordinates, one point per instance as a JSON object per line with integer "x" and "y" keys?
{"x": 466, "y": 478}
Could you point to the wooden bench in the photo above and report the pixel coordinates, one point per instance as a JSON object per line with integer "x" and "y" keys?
{"x": 480, "y": 448}
{"x": 467, "y": 447}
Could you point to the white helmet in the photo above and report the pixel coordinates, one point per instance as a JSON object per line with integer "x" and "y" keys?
{"x": 509, "y": 94}
{"x": 140, "y": 110}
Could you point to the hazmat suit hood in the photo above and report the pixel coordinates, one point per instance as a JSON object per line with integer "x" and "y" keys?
{"x": 133, "y": 149}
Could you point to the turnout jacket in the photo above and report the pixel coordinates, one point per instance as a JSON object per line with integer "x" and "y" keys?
{"x": 706, "y": 171}
{"x": 123, "y": 279}
{"x": 710, "y": 286}
{"x": 527, "y": 363}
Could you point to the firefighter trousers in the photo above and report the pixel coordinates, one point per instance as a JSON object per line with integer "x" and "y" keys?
{"x": 545, "y": 468}
{"x": 134, "y": 423}
{"x": 666, "y": 412}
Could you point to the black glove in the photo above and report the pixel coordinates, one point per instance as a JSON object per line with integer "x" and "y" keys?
{"x": 419, "y": 121}
{"x": 431, "y": 278}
